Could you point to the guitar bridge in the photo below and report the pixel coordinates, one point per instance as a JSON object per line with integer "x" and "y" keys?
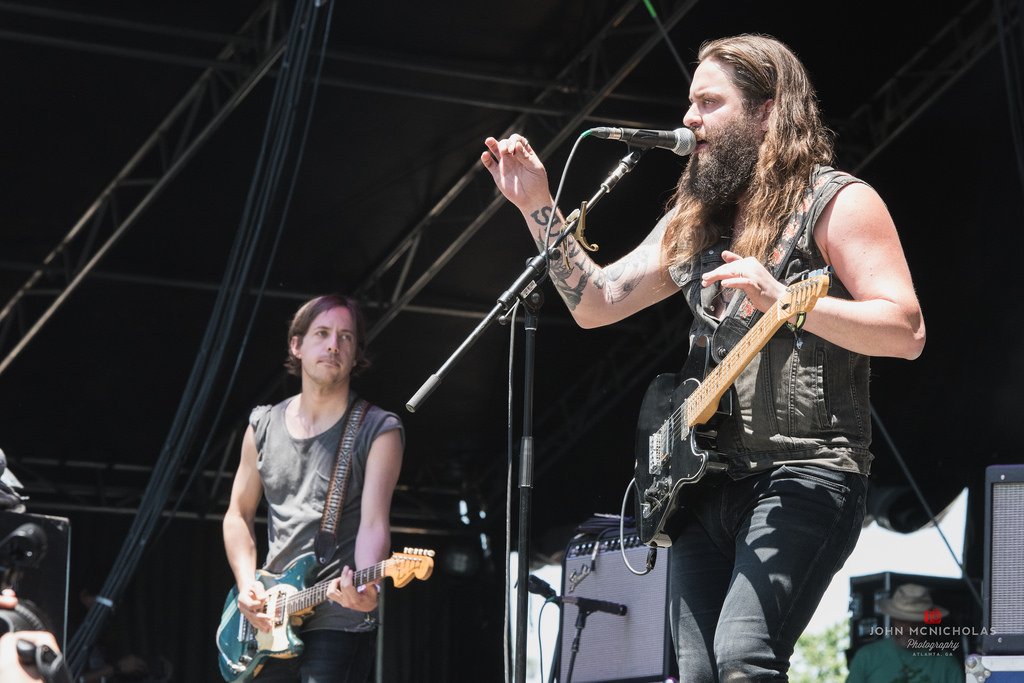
{"x": 660, "y": 446}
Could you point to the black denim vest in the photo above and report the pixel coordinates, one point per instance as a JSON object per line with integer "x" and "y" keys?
{"x": 801, "y": 399}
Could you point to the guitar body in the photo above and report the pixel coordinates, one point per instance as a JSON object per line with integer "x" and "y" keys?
{"x": 291, "y": 597}
{"x": 668, "y": 454}
{"x": 680, "y": 413}
{"x": 244, "y": 649}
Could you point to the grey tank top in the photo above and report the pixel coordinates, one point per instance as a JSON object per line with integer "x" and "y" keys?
{"x": 295, "y": 475}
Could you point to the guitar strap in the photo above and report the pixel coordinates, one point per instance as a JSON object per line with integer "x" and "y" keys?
{"x": 741, "y": 315}
{"x": 326, "y": 539}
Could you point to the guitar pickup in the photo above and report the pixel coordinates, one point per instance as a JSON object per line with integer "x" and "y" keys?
{"x": 656, "y": 450}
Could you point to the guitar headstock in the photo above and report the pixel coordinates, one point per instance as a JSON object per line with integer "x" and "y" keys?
{"x": 801, "y": 296}
{"x": 412, "y": 563}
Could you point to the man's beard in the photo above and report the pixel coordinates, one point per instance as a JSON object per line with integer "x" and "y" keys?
{"x": 718, "y": 177}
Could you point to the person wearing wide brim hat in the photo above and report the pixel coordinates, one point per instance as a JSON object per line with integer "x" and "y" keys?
{"x": 909, "y": 602}
{"x": 900, "y": 657}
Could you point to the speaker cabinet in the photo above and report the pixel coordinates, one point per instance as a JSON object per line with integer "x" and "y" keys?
{"x": 1004, "y": 560}
{"x": 46, "y": 584}
{"x": 634, "y": 647}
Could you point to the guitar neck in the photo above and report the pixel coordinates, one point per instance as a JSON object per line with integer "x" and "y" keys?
{"x": 309, "y": 598}
{"x": 701, "y": 405}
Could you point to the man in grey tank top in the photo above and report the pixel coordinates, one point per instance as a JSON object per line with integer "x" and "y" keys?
{"x": 754, "y": 544}
{"x": 288, "y": 456}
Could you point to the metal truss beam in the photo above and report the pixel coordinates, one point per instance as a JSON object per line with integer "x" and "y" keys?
{"x": 343, "y": 70}
{"x": 904, "y": 97}
{"x": 64, "y": 486}
{"x": 115, "y": 488}
{"x": 389, "y": 283}
{"x": 643, "y": 349}
{"x": 933, "y": 69}
{"x": 177, "y": 138}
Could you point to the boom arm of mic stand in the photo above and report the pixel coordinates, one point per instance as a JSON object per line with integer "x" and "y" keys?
{"x": 536, "y": 270}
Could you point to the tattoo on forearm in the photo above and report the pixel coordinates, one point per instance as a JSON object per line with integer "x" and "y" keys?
{"x": 542, "y": 216}
{"x": 623, "y": 278}
{"x": 616, "y": 281}
{"x": 572, "y": 295}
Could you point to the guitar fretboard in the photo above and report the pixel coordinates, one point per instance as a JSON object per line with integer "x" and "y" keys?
{"x": 311, "y": 597}
{"x": 702, "y": 403}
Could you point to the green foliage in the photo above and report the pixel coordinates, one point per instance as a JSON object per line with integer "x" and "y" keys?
{"x": 821, "y": 657}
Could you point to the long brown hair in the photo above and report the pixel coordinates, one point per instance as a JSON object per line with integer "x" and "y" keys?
{"x": 763, "y": 68}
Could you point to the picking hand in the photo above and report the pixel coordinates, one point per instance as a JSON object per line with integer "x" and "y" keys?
{"x": 251, "y": 603}
{"x": 748, "y": 275}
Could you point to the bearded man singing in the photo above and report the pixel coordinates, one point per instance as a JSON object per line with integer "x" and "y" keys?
{"x": 757, "y": 207}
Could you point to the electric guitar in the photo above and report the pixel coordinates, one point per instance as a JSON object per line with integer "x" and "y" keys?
{"x": 243, "y": 649}
{"x": 676, "y": 430}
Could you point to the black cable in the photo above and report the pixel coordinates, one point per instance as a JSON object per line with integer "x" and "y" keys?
{"x": 1012, "y": 76}
{"x": 205, "y": 451}
{"x": 199, "y": 387}
{"x": 668, "y": 42}
{"x": 924, "y": 502}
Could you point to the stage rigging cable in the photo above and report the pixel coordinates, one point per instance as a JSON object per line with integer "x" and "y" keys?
{"x": 310, "y": 19}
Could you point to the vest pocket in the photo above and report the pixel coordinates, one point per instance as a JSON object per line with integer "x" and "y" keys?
{"x": 826, "y": 418}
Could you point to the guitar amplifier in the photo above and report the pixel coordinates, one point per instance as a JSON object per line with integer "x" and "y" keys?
{"x": 1004, "y": 561}
{"x": 634, "y": 647}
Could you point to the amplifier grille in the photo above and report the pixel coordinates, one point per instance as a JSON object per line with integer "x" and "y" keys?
{"x": 1007, "y": 588}
{"x": 634, "y": 647}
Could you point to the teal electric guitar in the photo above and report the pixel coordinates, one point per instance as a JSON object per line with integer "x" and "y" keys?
{"x": 243, "y": 649}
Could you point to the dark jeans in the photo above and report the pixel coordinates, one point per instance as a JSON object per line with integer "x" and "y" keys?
{"x": 751, "y": 565}
{"x": 328, "y": 657}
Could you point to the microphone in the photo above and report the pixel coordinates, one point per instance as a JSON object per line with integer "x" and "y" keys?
{"x": 587, "y": 605}
{"x": 682, "y": 141}
{"x": 539, "y": 586}
{"x": 542, "y": 588}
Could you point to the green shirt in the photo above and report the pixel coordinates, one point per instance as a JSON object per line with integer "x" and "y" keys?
{"x": 885, "y": 661}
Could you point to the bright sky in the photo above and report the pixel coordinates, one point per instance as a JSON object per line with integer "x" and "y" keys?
{"x": 878, "y": 550}
{"x": 923, "y": 552}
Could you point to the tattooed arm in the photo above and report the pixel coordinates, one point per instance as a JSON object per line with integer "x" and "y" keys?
{"x": 596, "y": 295}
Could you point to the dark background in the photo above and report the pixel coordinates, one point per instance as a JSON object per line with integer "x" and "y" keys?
{"x": 107, "y": 385}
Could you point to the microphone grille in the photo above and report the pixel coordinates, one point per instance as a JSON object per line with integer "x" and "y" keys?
{"x": 686, "y": 141}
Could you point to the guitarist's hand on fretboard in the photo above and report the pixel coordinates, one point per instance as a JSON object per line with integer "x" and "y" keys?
{"x": 361, "y": 599}
{"x": 251, "y": 605}
{"x": 748, "y": 275}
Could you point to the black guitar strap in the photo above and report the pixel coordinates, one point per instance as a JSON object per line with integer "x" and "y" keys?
{"x": 741, "y": 314}
{"x": 326, "y": 538}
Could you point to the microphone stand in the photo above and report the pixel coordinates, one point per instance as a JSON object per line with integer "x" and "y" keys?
{"x": 581, "y": 623}
{"x": 525, "y": 288}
